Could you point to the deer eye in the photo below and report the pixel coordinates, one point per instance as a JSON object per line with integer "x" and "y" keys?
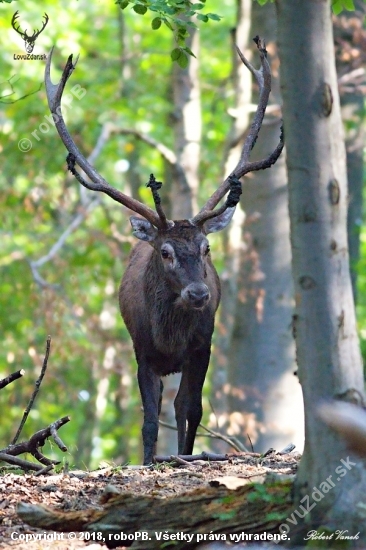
{"x": 165, "y": 254}
{"x": 207, "y": 250}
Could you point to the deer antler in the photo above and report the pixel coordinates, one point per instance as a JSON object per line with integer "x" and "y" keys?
{"x": 97, "y": 183}
{"x": 244, "y": 166}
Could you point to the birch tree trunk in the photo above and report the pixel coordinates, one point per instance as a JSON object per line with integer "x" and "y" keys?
{"x": 330, "y": 482}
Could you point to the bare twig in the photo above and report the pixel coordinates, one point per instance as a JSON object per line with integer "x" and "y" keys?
{"x": 9, "y": 379}
{"x": 10, "y": 102}
{"x": 35, "y": 392}
{"x": 34, "y": 443}
{"x": 233, "y": 442}
{"x": 217, "y": 435}
{"x": 56, "y": 437}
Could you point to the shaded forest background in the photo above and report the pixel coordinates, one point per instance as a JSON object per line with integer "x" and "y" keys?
{"x": 128, "y": 123}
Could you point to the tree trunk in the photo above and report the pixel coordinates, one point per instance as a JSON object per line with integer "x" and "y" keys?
{"x": 324, "y": 323}
{"x": 266, "y": 401}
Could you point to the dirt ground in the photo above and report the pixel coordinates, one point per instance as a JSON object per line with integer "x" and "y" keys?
{"x": 81, "y": 490}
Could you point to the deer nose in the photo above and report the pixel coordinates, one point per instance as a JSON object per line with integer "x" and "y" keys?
{"x": 196, "y": 295}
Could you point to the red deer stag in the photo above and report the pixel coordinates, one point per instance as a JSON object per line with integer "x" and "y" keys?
{"x": 170, "y": 291}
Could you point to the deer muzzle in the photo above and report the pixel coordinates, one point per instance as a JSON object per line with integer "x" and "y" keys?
{"x": 195, "y": 295}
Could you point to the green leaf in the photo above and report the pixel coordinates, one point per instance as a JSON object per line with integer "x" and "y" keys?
{"x": 122, "y": 3}
{"x": 202, "y": 17}
{"x": 189, "y": 51}
{"x": 140, "y": 9}
{"x": 175, "y": 54}
{"x": 183, "y": 60}
{"x": 156, "y": 23}
{"x": 168, "y": 24}
{"x": 337, "y": 6}
{"x": 214, "y": 16}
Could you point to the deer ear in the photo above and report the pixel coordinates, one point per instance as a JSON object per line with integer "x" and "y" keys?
{"x": 220, "y": 222}
{"x": 142, "y": 229}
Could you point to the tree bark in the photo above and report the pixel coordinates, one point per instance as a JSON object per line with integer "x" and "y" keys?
{"x": 324, "y": 322}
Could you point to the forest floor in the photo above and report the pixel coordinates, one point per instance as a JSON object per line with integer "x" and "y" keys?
{"x": 80, "y": 490}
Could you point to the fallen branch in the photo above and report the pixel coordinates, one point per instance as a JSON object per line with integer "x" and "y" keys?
{"x": 23, "y": 464}
{"x": 9, "y": 379}
{"x": 204, "y": 456}
{"x": 33, "y": 444}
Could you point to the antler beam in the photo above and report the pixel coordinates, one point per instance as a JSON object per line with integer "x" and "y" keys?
{"x": 244, "y": 166}
{"x": 97, "y": 183}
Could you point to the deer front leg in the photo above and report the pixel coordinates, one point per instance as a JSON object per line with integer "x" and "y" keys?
{"x": 150, "y": 389}
{"x": 188, "y": 403}
{"x": 181, "y": 408}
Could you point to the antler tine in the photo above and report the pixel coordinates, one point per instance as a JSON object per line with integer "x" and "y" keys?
{"x": 97, "y": 183}
{"x": 263, "y": 78}
{"x": 155, "y": 186}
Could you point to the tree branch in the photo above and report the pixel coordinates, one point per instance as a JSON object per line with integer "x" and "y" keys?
{"x": 35, "y": 392}
{"x": 9, "y": 379}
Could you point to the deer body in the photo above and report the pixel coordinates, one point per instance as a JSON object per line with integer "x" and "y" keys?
{"x": 168, "y": 305}
{"x": 170, "y": 291}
